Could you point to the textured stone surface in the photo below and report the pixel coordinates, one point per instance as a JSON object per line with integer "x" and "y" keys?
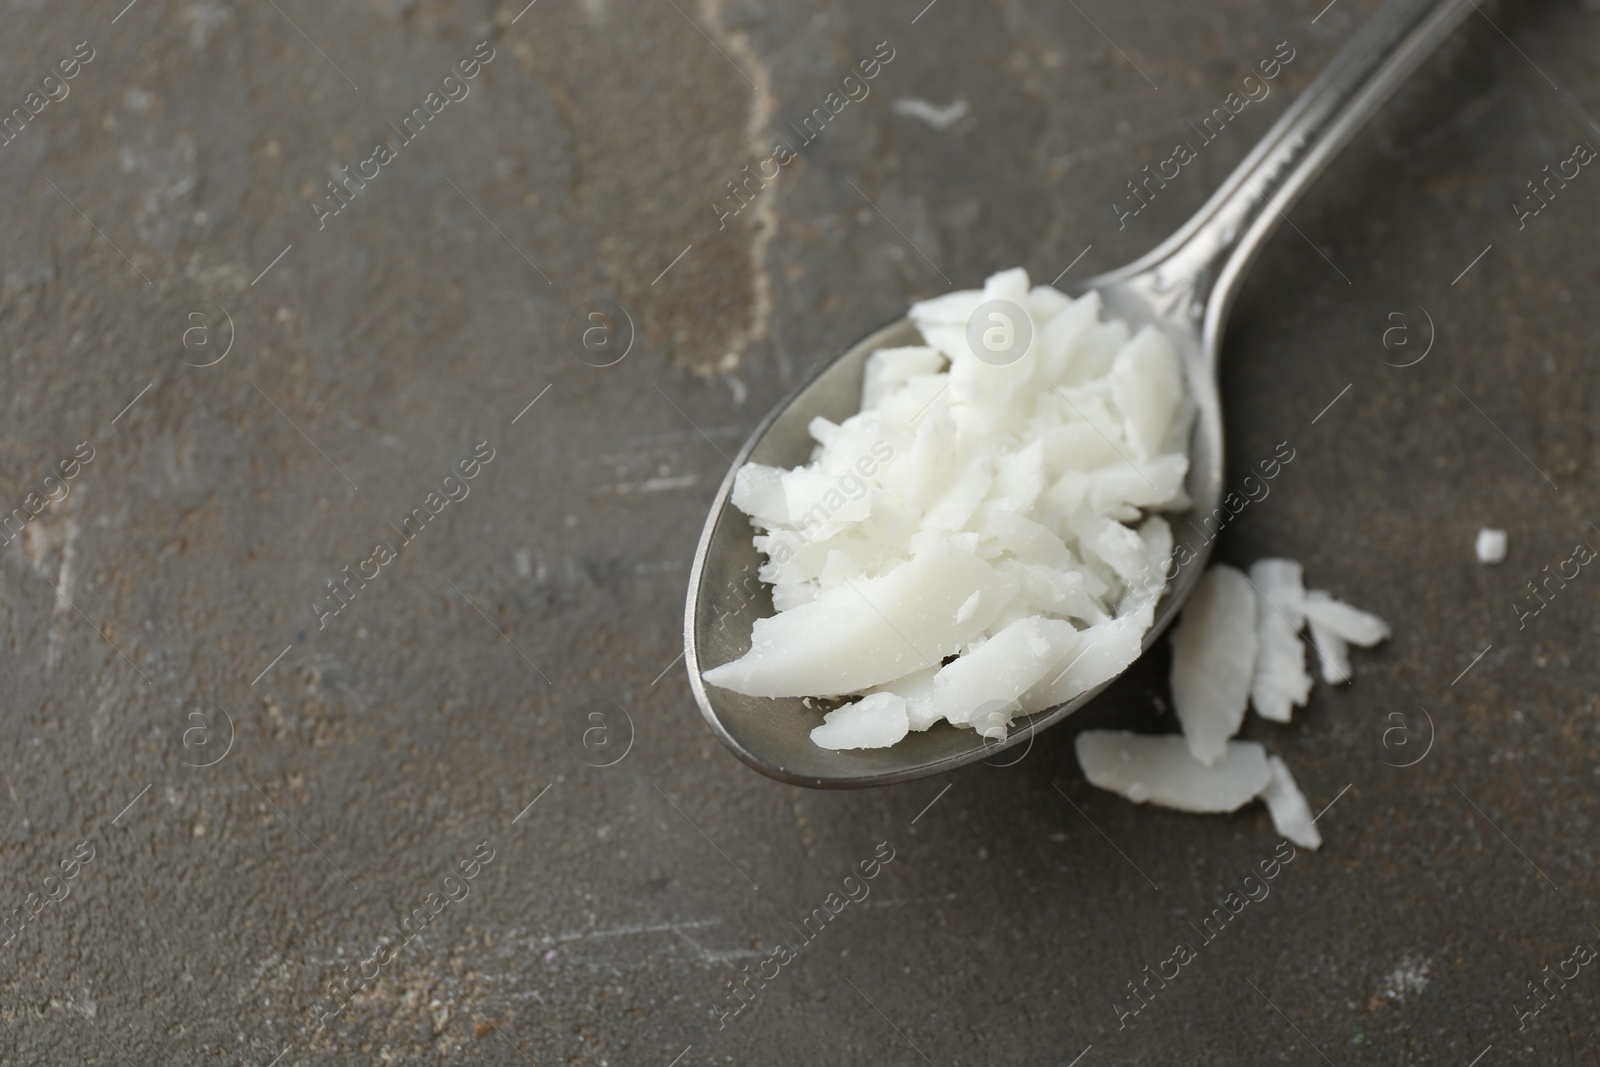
{"x": 382, "y": 748}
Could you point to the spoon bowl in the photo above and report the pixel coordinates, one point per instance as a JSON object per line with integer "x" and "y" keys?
{"x": 774, "y": 734}
{"x": 1184, "y": 288}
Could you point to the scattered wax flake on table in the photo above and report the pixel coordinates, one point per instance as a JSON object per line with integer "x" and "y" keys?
{"x": 1238, "y": 639}
{"x": 1291, "y": 815}
{"x": 1334, "y": 627}
{"x": 1281, "y": 680}
{"x": 1490, "y": 547}
{"x": 1160, "y": 769}
{"x": 979, "y": 541}
{"x": 1213, "y": 660}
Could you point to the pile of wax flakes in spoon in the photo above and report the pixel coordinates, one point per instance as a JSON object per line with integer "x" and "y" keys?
{"x": 979, "y": 542}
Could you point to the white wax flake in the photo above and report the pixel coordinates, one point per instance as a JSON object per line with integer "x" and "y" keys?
{"x": 917, "y": 690}
{"x": 1334, "y": 627}
{"x": 869, "y": 631}
{"x": 890, "y": 369}
{"x": 1355, "y": 626}
{"x": 1213, "y": 660}
{"x": 874, "y": 721}
{"x": 758, "y": 492}
{"x": 1281, "y": 680}
{"x": 1490, "y": 546}
{"x": 1159, "y": 769}
{"x": 1105, "y": 651}
{"x": 1147, "y": 384}
{"x": 1291, "y": 816}
{"x": 993, "y": 676}
{"x": 1282, "y": 582}
{"x": 991, "y": 503}
{"x": 1332, "y": 653}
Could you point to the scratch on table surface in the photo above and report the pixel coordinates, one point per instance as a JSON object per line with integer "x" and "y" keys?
{"x": 940, "y": 118}
{"x": 633, "y": 930}
{"x": 38, "y": 540}
{"x": 651, "y": 485}
{"x": 757, "y": 135}
{"x": 681, "y": 930}
{"x": 897, "y": 902}
{"x": 713, "y": 957}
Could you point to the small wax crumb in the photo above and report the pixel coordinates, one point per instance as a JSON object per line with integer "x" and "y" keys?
{"x": 1491, "y": 545}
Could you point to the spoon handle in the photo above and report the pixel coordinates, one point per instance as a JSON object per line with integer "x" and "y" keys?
{"x": 1204, "y": 261}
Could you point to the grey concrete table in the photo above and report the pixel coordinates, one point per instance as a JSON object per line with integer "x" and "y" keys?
{"x": 274, "y": 794}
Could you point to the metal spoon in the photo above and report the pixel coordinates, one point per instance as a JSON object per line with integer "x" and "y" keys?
{"x": 1185, "y": 287}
